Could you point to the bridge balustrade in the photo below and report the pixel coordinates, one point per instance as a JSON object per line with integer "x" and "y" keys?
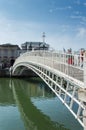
{"x": 70, "y": 64}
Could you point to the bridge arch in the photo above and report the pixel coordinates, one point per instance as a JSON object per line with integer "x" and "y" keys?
{"x": 23, "y": 70}
{"x": 64, "y": 86}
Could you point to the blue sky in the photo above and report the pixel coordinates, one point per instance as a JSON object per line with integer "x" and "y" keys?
{"x": 63, "y": 21}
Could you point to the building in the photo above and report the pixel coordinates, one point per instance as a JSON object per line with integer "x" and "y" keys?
{"x": 29, "y": 46}
{"x": 8, "y": 54}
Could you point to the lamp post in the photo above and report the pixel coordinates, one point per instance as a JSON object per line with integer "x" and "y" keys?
{"x": 43, "y": 36}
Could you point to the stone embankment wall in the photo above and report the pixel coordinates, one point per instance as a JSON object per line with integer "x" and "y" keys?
{"x": 4, "y": 73}
{"x": 27, "y": 73}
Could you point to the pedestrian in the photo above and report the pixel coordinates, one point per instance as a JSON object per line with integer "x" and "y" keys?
{"x": 81, "y": 57}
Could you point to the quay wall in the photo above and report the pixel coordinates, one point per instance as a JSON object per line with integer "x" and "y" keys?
{"x": 6, "y": 73}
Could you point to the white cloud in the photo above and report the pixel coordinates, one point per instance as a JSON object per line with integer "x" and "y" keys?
{"x": 84, "y": 4}
{"x": 81, "y": 33}
{"x": 63, "y": 8}
{"x": 77, "y": 2}
{"x": 60, "y": 42}
{"x": 77, "y": 12}
{"x": 82, "y": 19}
{"x": 19, "y": 31}
{"x": 57, "y": 36}
{"x": 60, "y": 8}
{"x": 51, "y": 10}
{"x": 65, "y": 40}
{"x": 76, "y": 17}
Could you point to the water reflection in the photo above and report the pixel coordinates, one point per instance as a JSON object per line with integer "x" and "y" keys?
{"x": 9, "y": 114}
{"x": 33, "y": 118}
{"x": 39, "y": 108}
{"x": 6, "y": 95}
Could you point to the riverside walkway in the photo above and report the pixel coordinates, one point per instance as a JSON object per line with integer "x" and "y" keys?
{"x": 64, "y": 73}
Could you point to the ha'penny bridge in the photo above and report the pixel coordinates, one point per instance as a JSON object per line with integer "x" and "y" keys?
{"x": 64, "y": 73}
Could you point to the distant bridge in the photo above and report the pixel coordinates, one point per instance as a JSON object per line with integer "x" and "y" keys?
{"x": 64, "y": 73}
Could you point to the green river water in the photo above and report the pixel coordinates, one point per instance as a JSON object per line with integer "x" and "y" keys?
{"x": 29, "y": 104}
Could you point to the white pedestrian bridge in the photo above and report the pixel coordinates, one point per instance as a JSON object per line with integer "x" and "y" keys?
{"x": 64, "y": 73}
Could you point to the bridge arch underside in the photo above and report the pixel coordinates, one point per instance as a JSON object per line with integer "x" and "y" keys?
{"x": 24, "y": 71}
{"x": 64, "y": 88}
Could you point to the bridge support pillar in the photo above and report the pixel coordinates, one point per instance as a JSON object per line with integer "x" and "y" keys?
{"x": 82, "y": 98}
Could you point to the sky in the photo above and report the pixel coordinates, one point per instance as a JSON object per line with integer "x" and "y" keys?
{"x": 63, "y": 21}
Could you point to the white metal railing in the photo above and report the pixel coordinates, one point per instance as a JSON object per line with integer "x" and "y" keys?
{"x": 64, "y": 58}
{"x": 68, "y": 94}
{"x": 70, "y": 64}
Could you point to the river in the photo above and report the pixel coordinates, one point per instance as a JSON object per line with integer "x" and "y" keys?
{"x": 29, "y": 104}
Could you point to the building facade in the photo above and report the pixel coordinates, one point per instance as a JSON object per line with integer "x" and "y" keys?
{"x": 8, "y": 54}
{"x": 29, "y": 46}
